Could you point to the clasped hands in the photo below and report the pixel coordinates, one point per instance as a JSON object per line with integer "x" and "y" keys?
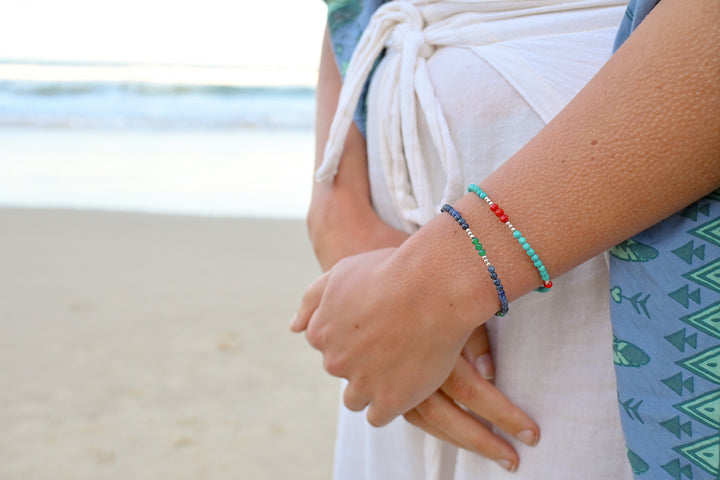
{"x": 405, "y": 350}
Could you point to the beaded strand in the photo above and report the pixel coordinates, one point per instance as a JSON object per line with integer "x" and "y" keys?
{"x": 502, "y": 216}
{"x": 504, "y": 306}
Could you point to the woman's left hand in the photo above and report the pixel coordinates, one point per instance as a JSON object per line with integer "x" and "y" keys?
{"x": 376, "y": 324}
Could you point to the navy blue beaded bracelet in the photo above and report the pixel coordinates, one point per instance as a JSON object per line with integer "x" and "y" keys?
{"x": 504, "y": 307}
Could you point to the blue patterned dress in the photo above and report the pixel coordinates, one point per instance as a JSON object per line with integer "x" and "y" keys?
{"x": 665, "y": 308}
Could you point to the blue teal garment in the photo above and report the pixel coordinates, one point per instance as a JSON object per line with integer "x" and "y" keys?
{"x": 347, "y": 20}
{"x": 665, "y": 308}
{"x": 635, "y": 13}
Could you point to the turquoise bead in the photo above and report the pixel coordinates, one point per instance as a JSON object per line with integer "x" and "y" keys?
{"x": 538, "y": 263}
{"x": 541, "y": 268}
{"x": 534, "y": 258}
{"x": 522, "y": 240}
{"x": 526, "y": 246}
{"x": 517, "y": 234}
{"x": 530, "y": 252}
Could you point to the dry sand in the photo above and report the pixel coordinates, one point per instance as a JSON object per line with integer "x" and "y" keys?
{"x": 156, "y": 347}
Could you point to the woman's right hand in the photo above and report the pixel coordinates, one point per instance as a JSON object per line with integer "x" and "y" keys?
{"x": 462, "y": 409}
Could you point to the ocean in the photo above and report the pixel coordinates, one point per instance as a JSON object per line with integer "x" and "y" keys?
{"x": 173, "y": 139}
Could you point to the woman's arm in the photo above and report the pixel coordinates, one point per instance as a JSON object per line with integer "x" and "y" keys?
{"x": 640, "y": 142}
{"x": 341, "y": 220}
{"x": 342, "y": 223}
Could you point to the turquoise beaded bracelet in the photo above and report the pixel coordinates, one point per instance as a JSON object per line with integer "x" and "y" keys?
{"x": 504, "y": 306}
{"x": 500, "y": 213}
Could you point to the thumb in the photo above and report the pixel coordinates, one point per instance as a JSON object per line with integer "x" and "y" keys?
{"x": 477, "y": 352}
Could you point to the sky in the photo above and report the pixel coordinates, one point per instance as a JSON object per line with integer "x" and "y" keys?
{"x": 260, "y": 33}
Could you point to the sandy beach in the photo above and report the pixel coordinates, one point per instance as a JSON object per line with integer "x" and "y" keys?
{"x": 140, "y": 346}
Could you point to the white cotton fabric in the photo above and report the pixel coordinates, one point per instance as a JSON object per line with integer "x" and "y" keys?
{"x": 462, "y": 86}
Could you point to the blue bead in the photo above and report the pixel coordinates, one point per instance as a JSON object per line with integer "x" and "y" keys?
{"x": 493, "y": 276}
{"x": 491, "y": 269}
{"x": 464, "y": 226}
{"x": 498, "y": 288}
{"x": 497, "y": 282}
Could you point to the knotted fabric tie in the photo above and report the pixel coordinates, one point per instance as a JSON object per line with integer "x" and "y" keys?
{"x": 398, "y": 26}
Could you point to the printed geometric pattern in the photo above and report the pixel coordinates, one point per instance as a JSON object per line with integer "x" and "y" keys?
{"x": 705, "y": 364}
{"x": 704, "y": 409}
{"x": 710, "y": 232}
{"x": 688, "y": 251}
{"x": 676, "y": 384}
{"x": 704, "y": 453}
{"x": 638, "y": 465}
{"x": 679, "y": 339}
{"x": 676, "y": 428}
{"x": 683, "y": 295}
{"x": 693, "y": 210}
{"x": 708, "y": 275}
{"x": 677, "y": 471}
{"x": 706, "y": 320}
{"x": 633, "y": 251}
{"x": 632, "y": 411}
{"x": 627, "y": 354}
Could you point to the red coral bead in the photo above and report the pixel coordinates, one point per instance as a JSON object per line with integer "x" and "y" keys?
{"x": 503, "y": 218}
{"x": 494, "y": 207}
{"x": 547, "y": 284}
{"x": 499, "y": 212}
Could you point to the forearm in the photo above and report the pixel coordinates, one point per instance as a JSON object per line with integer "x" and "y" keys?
{"x": 639, "y": 143}
{"x": 341, "y": 220}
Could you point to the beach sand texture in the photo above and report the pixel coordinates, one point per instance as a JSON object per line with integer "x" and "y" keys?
{"x": 140, "y": 346}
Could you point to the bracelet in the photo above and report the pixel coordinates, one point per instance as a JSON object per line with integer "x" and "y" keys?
{"x": 500, "y": 213}
{"x": 481, "y": 251}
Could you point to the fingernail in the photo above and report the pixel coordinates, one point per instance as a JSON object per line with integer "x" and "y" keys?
{"x": 507, "y": 465}
{"x": 528, "y": 437}
{"x": 484, "y": 366}
{"x": 293, "y": 322}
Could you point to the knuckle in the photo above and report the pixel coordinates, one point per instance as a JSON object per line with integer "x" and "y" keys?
{"x": 375, "y": 419}
{"x": 314, "y": 336}
{"x": 459, "y": 389}
{"x": 431, "y": 411}
{"x": 334, "y": 365}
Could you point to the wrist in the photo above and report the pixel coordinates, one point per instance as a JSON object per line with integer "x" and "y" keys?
{"x": 445, "y": 275}
{"x": 340, "y": 225}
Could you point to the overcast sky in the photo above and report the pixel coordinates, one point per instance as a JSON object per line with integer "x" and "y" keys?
{"x": 265, "y": 33}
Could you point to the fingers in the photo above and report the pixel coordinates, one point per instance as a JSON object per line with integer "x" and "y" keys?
{"x": 467, "y": 388}
{"x": 443, "y": 418}
{"x": 310, "y": 301}
{"x": 353, "y": 399}
{"x": 477, "y": 352}
{"x": 414, "y": 418}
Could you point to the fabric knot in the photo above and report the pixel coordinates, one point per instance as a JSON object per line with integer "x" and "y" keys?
{"x": 405, "y": 37}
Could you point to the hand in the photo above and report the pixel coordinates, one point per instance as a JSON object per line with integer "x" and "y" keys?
{"x": 381, "y": 333}
{"x": 442, "y": 414}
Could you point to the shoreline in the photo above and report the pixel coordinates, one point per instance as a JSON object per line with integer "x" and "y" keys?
{"x": 138, "y": 345}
